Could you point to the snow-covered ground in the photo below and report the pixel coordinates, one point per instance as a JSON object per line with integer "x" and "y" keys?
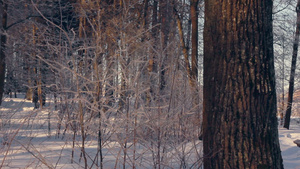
{"x": 25, "y": 143}
{"x": 290, "y": 151}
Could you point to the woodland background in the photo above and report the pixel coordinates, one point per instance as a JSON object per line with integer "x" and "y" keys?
{"x": 128, "y": 71}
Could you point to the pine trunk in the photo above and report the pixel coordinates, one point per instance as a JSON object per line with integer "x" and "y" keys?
{"x": 239, "y": 118}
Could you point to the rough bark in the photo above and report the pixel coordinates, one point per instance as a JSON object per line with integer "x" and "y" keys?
{"x": 293, "y": 70}
{"x": 2, "y": 48}
{"x": 239, "y": 118}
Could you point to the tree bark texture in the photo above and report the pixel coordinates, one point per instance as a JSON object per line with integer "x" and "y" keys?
{"x": 293, "y": 70}
{"x": 239, "y": 118}
{"x": 2, "y": 48}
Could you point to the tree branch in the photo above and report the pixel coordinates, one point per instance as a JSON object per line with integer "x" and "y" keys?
{"x": 20, "y": 21}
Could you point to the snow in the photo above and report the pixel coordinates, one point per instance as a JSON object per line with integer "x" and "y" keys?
{"x": 29, "y": 145}
{"x": 289, "y": 150}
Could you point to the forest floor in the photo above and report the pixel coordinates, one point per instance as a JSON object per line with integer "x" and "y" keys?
{"x": 25, "y": 141}
{"x": 289, "y": 150}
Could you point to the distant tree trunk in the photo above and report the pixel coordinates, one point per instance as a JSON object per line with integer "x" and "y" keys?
{"x": 164, "y": 29}
{"x": 145, "y": 15}
{"x": 35, "y": 95}
{"x": 194, "y": 19}
{"x": 282, "y": 87}
{"x": 152, "y": 63}
{"x": 293, "y": 69}
{"x": 41, "y": 84}
{"x": 29, "y": 91}
{"x": 2, "y": 48}
{"x": 194, "y": 58}
{"x": 184, "y": 48}
{"x": 239, "y": 118}
{"x": 192, "y": 69}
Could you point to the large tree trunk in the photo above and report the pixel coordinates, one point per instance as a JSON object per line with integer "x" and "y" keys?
{"x": 2, "y": 48}
{"x": 239, "y": 121}
{"x": 293, "y": 70}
